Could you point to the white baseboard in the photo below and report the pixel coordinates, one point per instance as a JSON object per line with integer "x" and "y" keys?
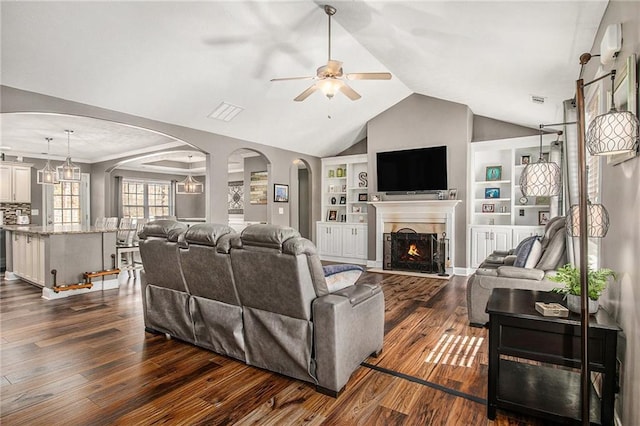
{"x": 10, "y": 276}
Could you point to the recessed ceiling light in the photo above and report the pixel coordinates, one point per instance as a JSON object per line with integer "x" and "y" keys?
{"x": 226, "y": 112}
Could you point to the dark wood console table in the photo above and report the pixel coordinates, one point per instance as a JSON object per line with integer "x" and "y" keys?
{"x": 517, "y": 333}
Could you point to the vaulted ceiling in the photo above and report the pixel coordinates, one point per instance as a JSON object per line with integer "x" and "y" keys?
{"x": 177, "y": 61}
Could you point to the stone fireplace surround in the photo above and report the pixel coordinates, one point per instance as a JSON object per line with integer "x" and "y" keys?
{"x": 427, "y": 215}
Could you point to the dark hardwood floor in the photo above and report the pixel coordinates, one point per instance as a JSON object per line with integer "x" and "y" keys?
{"x": 86, "y": 360}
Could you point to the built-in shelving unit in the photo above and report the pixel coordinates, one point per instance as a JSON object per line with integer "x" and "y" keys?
{"x": 499, "y": 216}
{"x": 342, "y": 231}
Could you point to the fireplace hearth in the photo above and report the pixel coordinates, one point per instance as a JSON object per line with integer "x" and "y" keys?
{"x": 408, "y": 250}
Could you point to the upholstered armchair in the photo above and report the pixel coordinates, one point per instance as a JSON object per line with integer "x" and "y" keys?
{"x": 528, "y": 266}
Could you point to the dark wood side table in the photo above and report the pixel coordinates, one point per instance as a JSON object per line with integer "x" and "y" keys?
{"x": 517, "y": 330}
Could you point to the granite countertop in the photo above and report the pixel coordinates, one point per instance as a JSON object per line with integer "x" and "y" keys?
{"x": 55, "y": 229}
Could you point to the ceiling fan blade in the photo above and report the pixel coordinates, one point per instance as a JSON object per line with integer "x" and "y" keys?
{"x": 304, "y": 95}
{"x": 369, "y": 76}
{"x": 349, "y": 92}
{"x": 292, "y": 78}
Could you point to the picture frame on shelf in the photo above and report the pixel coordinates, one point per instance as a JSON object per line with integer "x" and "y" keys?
{"x": 332, "y": 216}
{"x": 493, "y": 173}
{"x": 343, "y": 199}
{"x": 376, "y": 197}
{"x": 488, "y": 208}
{"x": 543, "y": 217}
{"x": 525, "y": 159}
{"x": 492, "y": 192}
{"x": 453, "y": 194}
{"x": 343, "y": 188}
{"x": 363, "y": 196}
{"x": 280, "y": 193}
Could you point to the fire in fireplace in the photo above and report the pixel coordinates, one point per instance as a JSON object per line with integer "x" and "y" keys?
{"x": 408, "y": 250}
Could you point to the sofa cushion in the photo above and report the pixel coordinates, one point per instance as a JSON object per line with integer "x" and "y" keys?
{"x": 554, "y": 253}
{"x": 534, "y": 255}
{"x": 523, "y": 250}
{"x": 521, "y": 273}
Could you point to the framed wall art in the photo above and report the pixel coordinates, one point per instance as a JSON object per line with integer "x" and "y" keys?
{"x": 280, "y": 193}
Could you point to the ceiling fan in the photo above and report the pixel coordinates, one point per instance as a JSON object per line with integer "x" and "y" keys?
{"x": 330, "y": 77}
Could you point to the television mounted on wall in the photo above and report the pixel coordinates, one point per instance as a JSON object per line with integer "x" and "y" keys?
{"x": 419, "y": 170}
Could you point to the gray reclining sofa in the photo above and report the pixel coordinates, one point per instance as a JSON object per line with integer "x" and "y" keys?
{"x": 260, "y": 297}
{"x": 498, "y": 271}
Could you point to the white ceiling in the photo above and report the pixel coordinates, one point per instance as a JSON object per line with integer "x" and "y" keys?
{"x": 177, "y": 61}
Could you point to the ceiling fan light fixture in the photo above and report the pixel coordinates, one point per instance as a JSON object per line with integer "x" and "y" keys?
{"x": 330, "y": 86}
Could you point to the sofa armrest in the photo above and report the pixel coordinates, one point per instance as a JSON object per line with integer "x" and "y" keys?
{"x": 522, "y": 273}
{"x": 348, "y": 327}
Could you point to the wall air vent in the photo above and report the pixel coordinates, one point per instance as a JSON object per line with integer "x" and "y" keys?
{"x": 225, "y": 112}
{"x": 537, "y": 99}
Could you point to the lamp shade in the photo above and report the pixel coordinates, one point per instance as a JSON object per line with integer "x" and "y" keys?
{"x": 612, "y": 133}
{"x": 540, "y": 179}
{"x": 597, "y": 221}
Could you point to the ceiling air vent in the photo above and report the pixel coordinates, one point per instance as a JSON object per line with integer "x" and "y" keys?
{"x": 225, "y": 112}
{"x": 537, "y": 99}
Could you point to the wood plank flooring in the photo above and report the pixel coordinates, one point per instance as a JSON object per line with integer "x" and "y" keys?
{"x": 87, "y": 360}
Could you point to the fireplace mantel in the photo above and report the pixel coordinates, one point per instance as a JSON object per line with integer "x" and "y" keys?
{"x": 418, "y": 211}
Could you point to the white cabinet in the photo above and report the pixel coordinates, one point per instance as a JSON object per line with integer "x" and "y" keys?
{"x": 29, "y": 257}
{"x": 485, "y": 240}
{"x": 15, "y": 182}
{"x": 342, "y": 242}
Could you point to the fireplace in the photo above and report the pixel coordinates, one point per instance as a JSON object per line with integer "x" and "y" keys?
{"x": 408, "y": 250}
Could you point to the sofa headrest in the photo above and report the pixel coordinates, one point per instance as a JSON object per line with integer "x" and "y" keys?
{"x": 555, "y": 224}
{"x": 206, "y": 234}
{"x": 163, "y": 228}
{"x": 267, "y": 235}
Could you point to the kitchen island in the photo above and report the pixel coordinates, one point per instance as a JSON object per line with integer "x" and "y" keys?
{"x": 33, "y": 252}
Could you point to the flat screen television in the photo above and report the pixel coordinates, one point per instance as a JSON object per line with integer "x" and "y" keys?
{"x": 413, "y": 170}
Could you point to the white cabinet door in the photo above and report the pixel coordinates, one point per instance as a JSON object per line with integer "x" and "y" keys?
{"x": 485, "y": 240}
{"x": 5, "y": 183}
{"x": 329, "y": 239}
{"x": 354, "y": 241}
{"x": 522, "y": 232}
{"x": 501, "y": 239}
{"x": 21, "y": 184}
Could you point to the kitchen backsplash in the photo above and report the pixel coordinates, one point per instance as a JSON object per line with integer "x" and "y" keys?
{"x": 9, "y": 210}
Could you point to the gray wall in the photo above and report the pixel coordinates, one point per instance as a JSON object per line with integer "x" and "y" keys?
{"x": 255, "y": 212}
{"x": 621, "y": 195}
{"x": 216, "y": 146}
{"x": 421, "y": 121}
{"x": 488, "y": 129}
{"x": 357, "y": 148}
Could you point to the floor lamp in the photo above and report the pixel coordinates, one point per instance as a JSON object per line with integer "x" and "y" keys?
{"x": 618, "y": 132}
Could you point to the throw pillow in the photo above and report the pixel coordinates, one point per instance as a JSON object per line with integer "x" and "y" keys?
{"x": 523, "y": 250}
{"x": 341, "y": 276}
{"x": 534, "y": 255}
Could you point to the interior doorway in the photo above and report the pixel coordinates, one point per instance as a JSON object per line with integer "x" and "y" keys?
{"x": 300, "y": 205}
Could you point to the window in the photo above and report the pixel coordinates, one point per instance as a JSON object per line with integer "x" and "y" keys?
{"x": 145, "y": 199}
{"x": 66, "y": 203}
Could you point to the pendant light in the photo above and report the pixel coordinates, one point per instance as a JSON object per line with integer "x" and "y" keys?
{"x": 48, "y": 175}
{"x": 68, "y": 171}
{"x": 597, "y": 220}
{"x": 614, "y": 132}
{"x": 542, "y": 178}
{"x": 190, "y": 185}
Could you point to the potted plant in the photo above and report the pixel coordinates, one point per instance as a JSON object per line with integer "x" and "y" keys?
{"x": 597, "y": 281}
